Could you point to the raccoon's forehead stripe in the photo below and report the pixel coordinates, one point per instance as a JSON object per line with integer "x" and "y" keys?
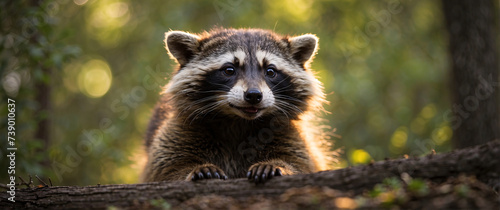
{"x": 280, "y": 62}
{"x": 214, "y": 62}
{"x": 240, "y": 55}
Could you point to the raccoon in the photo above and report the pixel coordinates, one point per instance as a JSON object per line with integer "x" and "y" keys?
{"x": 239, "y": 105}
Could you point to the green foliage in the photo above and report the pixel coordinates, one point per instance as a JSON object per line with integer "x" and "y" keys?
{"x": 383, "y": 65}
{"x": 418, "y": 187}
{"x": 28, "y": 44}
{"x": 393, "y": 192}
{"x": 388, "y": 193}
{"x": 160, "y": 203}
{"x": 462, "y": 190}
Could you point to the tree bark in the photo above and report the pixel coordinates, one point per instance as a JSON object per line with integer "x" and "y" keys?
{"x": 481, "y": 161}
{"x": 472, "y": 30}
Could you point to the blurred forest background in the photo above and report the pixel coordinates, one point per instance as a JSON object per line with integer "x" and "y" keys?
{"x": 85, "y": 76}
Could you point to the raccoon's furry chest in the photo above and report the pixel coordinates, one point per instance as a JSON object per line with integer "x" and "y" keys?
{"x": 235, "y": 145}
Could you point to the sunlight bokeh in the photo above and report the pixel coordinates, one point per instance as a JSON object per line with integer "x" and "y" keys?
{"x": 106, "y": 19}
{"x": 360, "y": 156}
{"x": 95, "y": 78}
{"x": 428, "y": 111}
{"x": 298, "y": 10}
{"x": 399, "y": 138}
{"x": 442, "y": 134}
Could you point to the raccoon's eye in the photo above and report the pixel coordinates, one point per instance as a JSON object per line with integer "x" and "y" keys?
{"x": 229, "y": 71}
{"x": 270, "y": 72}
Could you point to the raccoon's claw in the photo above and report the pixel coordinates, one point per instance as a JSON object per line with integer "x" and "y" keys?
{"x": 207, "y": 171}
{"x": 260, "y": 173}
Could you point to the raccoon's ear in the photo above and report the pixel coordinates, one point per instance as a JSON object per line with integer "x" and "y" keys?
{"x": 303, "y": 47}
{"x": 181, "y": 45}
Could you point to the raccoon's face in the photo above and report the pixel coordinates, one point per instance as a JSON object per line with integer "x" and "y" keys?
{"x": 242, "y": 73}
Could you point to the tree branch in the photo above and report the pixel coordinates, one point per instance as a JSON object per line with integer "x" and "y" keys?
{"x": 481, "y": 161}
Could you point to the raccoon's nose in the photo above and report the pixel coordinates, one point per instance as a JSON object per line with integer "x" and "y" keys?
{"x": 253, "y": 96}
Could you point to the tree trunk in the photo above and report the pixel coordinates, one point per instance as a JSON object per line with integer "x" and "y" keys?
{"x": 474, "y": 71}
{"x": 42, "y": 92}
{"x": 481, "y": 161}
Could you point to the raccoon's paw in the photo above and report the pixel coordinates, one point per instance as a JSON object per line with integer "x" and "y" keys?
{"x": 261, "y": 172}
{"x": 206, "y": 171}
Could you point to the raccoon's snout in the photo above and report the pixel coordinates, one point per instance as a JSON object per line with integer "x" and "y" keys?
{"x": 253, "y": 96}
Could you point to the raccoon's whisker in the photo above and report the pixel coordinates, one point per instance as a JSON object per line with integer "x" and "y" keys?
{"x": 211, "y": 91}
{"x": 209, "y": 109}
{"x": 293, "y": 107}
{"x": 290, "y": 107}
{"x": 284, "y": 111}
{"x": 223, "y": 86}
{"x": 181, "y": 113}
{"x": 192, "y": 117}
{"x": 283, "y": 107}
{"x": 278, "y": 96}
{"x": 183, "y": 94}
{"x": 280, "y": 82}
{"x": 195, "y": 103}
{"x": 282, "y": 89}
{"x": 199, "y": 111}
{"x": 212, "y": 108}
{"x": 202, "y": 100}
{"x": 203, "y": 110}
